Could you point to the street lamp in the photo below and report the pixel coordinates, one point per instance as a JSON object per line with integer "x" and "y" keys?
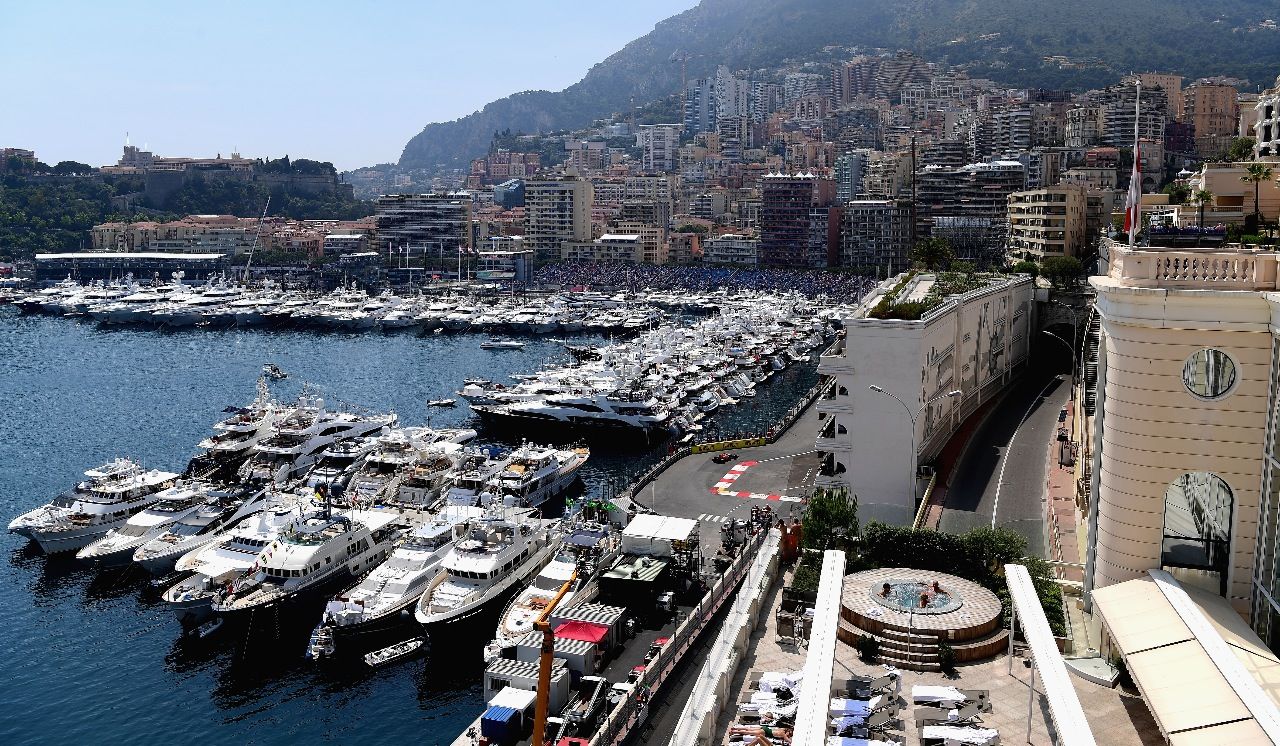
{"x": 911, "y": 476}
{"x": 1072, "y": 350}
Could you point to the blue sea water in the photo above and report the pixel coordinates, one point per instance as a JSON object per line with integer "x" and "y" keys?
{"x": 96, "y": 658}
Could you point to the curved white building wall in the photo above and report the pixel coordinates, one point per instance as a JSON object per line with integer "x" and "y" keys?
{"x": 1154, "y": 430}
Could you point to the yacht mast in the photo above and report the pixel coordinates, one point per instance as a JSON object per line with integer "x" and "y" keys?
{"x": 256, "y": 237}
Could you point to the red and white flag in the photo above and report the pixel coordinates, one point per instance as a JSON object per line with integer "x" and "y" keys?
{"x": 1133, "y": 200}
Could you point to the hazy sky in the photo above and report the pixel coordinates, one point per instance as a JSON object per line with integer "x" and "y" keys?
{"x": 337, "y": 81}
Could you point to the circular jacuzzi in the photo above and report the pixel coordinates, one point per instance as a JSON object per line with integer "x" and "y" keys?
{"x": 916, "y": 596}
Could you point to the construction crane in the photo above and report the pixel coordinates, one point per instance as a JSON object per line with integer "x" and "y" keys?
{"x": 683, "y": 58}
{"x": 544, "y": 664}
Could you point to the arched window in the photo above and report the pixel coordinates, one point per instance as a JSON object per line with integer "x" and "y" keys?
{"x": 1197, "y": 528}
{"x": 843, "y": 391}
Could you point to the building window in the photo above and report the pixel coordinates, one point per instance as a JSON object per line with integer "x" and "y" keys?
{"x": 1197, "y": 530}
{"x": 1209, "y": 374}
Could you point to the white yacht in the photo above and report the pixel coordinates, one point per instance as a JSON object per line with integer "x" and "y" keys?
{"x": 588, "y": 549}
{"x": 222, "y": 510}
{"x": 302, "y": 434}
{"x": 112, "y": 493}
{"x": 499, "y": 552}
{"x": 116, "y": 548}
{"x": 228, "y": 557}
{"x": 222, "y": 453}
{"x": 375, "y": 603}
{"x": 311, "y": 556}
{"x": 535, "y": 474}
{"x": 619, "y": 410}
{"x": 469, "y": 482}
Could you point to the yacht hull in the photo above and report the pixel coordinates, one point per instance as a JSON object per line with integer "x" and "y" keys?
{"x": 72, "y": 539}
{"x": 435, "y": 621}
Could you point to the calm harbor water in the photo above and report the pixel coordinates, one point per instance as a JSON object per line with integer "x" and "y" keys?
{"x": 96, "y": 657}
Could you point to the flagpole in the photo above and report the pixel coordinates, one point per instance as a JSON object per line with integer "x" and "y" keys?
{"x": 1137, "y": 169}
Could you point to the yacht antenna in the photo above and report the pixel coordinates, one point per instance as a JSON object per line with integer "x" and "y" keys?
{"x": 248, "y": 263}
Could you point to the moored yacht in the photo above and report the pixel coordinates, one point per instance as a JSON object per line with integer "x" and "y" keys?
{"x": 223, "y": 509}
{"x": 112, "y": 493}
{"x": 375, "y": 603}
{"x": 588, "y": 548}
{"x": 535, "y": 474}
{"x": 116, "y": 548}
{"x": 302, "y": 434}
{"x": 499, "y": 552}
{"x": 228, "y": 557}
{"x": 311, "y": 556}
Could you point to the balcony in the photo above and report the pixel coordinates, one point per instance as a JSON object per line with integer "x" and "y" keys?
{"x": 833, "y": 437}
{"x": 1193, "y": 269}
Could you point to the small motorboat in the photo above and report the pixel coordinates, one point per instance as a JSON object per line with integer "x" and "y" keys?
{"x": 321, "y": 644}
{"x": 274, "y": 372}
{"x": 392, "y": 653}
{"x": 205, "y": 629}
{"x": 501, "y": 344}
{"x": 442, "y": 403}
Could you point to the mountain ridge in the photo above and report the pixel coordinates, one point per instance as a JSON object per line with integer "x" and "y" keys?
{"x": 1178, "y": 35}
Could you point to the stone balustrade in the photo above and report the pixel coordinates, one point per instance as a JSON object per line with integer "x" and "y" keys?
{"x": 1193, "y": 269}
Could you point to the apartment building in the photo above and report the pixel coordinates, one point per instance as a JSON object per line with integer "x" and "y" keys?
{"x": 876, "y": 233}
{"x": 419, "y": 224}
{"x": 969, "y": 206}
{"x": 784, "y": 218}
{"x": 1213, "y": 109}
{"x": 660, "y": 143}
{"x": 731, "y": 249}
{"x": 1047, "y": 222}
{"x": 557, "y": 210}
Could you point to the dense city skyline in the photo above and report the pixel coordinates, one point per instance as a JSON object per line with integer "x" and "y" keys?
{"x": 364, "y": 83}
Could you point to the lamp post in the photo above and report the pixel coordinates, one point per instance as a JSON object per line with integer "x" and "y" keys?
{"x": 1071, "y": 349}
{"x": 911, "y": 476}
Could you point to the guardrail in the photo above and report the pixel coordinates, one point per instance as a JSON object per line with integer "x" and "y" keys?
{"x": 631, "y": 712}
{"x": 924, "y": 502}
{"x": 771, "y": 435}
{"x": 725, "y": 657}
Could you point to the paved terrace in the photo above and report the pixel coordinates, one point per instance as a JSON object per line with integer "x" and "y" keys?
{"x": 1116, "y": 718}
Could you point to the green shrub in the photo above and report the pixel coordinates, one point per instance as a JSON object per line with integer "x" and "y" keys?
{"x": 868, "y": 648}
{"x": 946, "y": 657}
{"x": 806, "y": 578}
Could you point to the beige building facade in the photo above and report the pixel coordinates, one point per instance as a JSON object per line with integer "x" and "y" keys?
{"x": 1047, "y": 222}
{"x": 1185, "y": 375}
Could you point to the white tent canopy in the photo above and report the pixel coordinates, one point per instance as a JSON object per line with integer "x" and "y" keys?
{"x": 1205, "y": 676}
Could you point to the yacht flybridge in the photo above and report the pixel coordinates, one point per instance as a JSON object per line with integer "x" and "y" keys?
{"x": 312, "y": 555}
{"x": 500, "y": 551}
{"x": 112, "y": 493}
{"x": 301, "y": 435}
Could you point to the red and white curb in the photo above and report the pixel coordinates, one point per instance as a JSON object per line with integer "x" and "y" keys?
{"x": 722, "y": 487}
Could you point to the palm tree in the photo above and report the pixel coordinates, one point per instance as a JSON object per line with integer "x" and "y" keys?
{"x": 1256, "y": 173}
{"x": 1200, "y": 198}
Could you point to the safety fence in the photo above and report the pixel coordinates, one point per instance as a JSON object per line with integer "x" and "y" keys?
{"x": 631, "y": 712}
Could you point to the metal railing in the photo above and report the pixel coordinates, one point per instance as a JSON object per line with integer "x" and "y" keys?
{"x": 630, "y": 712}
{"x": 771, "y": 435}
